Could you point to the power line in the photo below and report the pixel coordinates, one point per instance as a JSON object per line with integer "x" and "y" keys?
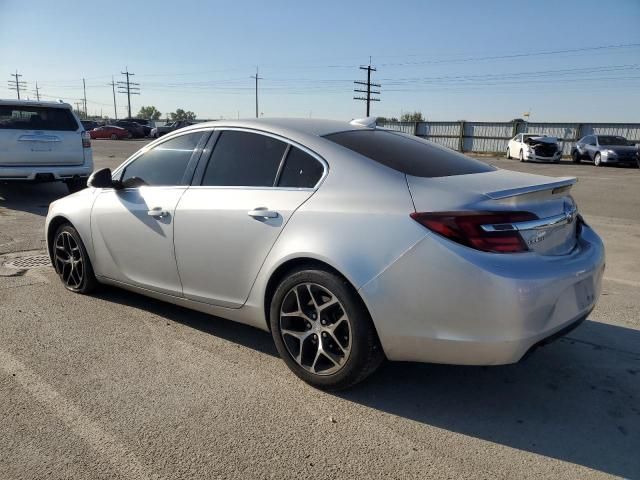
{"x": 128, "y": 87}
{"x": 256, "y": 77}
{"x": 17, "y": 84}
{"x": 368, "y": 91}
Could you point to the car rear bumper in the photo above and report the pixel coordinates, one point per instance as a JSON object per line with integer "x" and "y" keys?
{"x": 44, "y": 173}
{"x": 444, "y": 303}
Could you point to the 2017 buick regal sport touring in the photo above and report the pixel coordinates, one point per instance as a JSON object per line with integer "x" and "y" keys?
{"x": 349, "y": 243}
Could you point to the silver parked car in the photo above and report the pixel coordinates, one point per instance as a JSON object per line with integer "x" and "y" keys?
{"x": 349, "y": 243}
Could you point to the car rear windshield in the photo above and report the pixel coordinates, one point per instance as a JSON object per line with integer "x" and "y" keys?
{"x": 612, "y": 140}
{"x": 21, "y": 117}
{"x": 409, "y": 155}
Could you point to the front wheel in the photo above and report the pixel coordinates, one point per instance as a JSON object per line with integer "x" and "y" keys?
{"x": 114, "y": 136}
{"x": 521, "y": 156}
{"x": 323, "y": 331}
{"x": 71, "y": 261}
{"x": 508, "y": 154}
{"x": 575, "y": 156}
{"x": 597, "y": 160}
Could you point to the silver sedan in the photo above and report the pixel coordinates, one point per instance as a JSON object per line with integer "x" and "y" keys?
{"x": 349, "y": 243}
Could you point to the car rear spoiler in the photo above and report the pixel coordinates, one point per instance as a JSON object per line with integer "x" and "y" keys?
{"x": 562, "y": 183}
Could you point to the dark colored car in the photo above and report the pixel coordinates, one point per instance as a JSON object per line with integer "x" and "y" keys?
{"x": 89, "y": 124}
{"x": 159, "y": 131}
{"x": 605, "y": 150}
{"x": 135, "y": 129}
{"x": 110, "y": 131}
{"x": 146, "y": 124}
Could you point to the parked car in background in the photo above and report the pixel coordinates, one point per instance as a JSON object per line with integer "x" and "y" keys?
{"x": 163, "y": 130}
{"x": 605, "y": 149}
{"x": 348, "y": 243}
{"x": 135, "y": 129}
{"x": 43, "y": 142}
{"x": 89, "y": 124}
{"x": 147, "y": 125}
{"x": 534, "y": 147}
{"x": 110, "y": 131}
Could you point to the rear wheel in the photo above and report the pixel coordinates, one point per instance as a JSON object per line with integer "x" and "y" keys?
{"x": 71, "y": 261}
{"x": 597, "y": 160}
{"x": 322, "y": 330}
{"x": 76, "y": 184}
{"x": 575, "y": 156}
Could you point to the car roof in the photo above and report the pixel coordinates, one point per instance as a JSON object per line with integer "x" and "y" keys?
{"x": 308, "y": 126}
{"x": 35, "y": 103}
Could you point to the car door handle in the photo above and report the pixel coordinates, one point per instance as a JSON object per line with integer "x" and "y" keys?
{"x": 158, "y": 212}
{"x": 262, "y": 212}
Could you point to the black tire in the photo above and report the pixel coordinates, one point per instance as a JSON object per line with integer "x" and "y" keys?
{"x": 76, "y": 184}
{"x": 83, "y": 279}
{"x": 508, "y": 154}
{"x": 521, "y": 156}
{"x": 365, "y": 354}
{"x": 114, "y": 136}
{"x": 597, "y": 160}
{"x": 575, "y": 156}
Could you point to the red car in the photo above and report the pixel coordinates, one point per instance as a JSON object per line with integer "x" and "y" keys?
{"x": 109, "y": 131}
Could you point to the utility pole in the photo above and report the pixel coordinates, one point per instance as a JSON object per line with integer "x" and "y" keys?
{"x": 37, "y": 92}
{"x": 113, "y": 88}
{"x": 128, "y": 87}
{"x": 78, "y": 107}
{"x": 84, "y": 88}
{"x": 256, "y": 77}
{"x": 368, "y": 91}
{"x": 17, "y": 84}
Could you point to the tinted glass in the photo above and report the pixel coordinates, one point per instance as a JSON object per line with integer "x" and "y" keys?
{"x": 410, "y": 155}
{"x": 163, "y": 165}
{"x": 612, "y": 140}
{"x": 244, "y": 159}
{"x": 37, "y": 118}
{"x": 300, "y": 170}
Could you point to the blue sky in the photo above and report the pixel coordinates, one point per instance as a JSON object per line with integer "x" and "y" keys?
{"x": 472, "y": 60}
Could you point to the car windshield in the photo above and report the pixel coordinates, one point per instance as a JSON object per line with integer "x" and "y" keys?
{"x": 409, "y": 155}
{"x": 612, "y": 140}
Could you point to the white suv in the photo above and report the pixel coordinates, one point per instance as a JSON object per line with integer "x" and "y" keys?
{"x": 43, "y": 142}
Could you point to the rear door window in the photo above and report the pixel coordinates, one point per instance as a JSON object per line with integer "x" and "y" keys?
{"x": 23, "y": 117}
{"x": 300, "y": 170}
{"x": 408, "y": 154}
{"x": 244, "y": 159}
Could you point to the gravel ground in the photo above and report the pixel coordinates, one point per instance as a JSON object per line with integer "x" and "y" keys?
{"x": 117, "y": 385}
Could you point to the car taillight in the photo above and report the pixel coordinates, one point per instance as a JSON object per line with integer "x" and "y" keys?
{"x": 465, "y": 228}
{"x": 86, "y": 140}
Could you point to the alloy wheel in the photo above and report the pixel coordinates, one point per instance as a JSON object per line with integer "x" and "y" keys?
{"x": 68, "y": 260}
{"x": 315, "y": 328}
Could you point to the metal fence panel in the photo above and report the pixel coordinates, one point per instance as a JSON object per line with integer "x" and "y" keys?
{"x": 493, "y": 137}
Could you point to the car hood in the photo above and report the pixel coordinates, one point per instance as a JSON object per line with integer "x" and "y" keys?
{"x": 538, "y": 140}
{"x": 620, "y": 148}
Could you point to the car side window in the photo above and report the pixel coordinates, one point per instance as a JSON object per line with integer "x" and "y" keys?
{"x": 163, "y": 165}
{"x": 244, "y": 159}
{"x": 518, "y": 138}
{"x": 300, "y": 170}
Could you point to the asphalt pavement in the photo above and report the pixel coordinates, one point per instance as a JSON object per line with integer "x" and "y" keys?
{"x": 116, "y": 385}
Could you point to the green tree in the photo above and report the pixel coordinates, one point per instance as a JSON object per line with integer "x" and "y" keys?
{"x": 412, "y": 117}
{"x": 150, "y": 113}
{"x": 180, "y": 114}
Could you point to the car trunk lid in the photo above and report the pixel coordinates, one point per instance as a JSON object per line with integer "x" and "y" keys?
{"x": 554, "y": 231}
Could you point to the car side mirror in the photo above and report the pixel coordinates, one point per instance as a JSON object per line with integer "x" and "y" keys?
{"x": 101, "y": 179}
